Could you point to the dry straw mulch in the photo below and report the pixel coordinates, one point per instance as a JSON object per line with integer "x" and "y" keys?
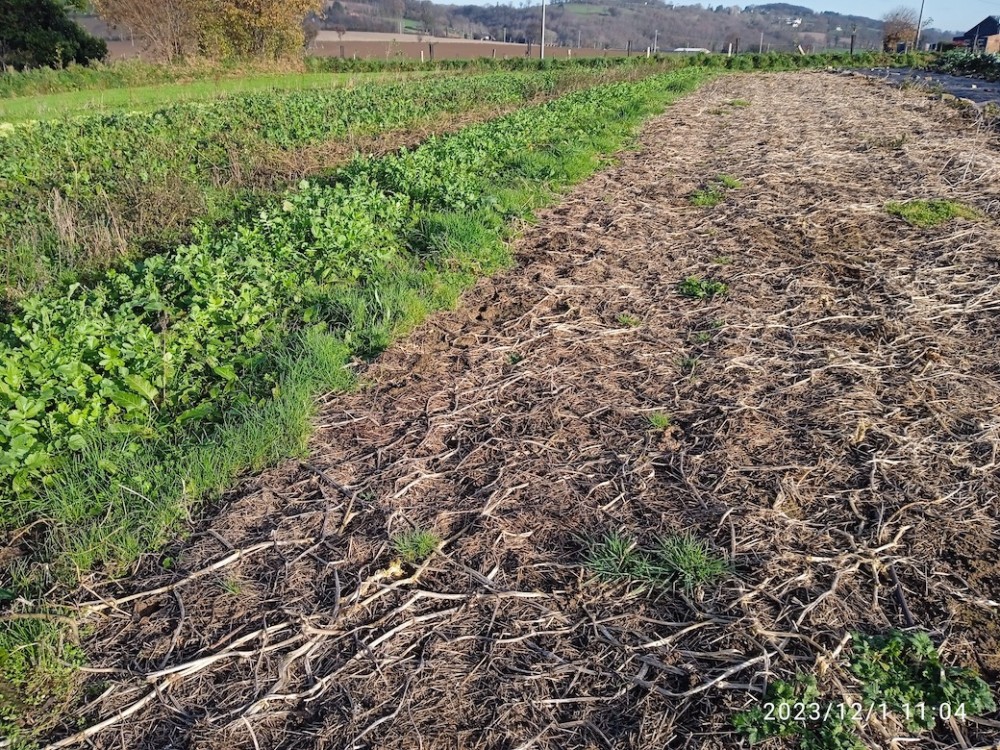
{"x": 835, "y": 421}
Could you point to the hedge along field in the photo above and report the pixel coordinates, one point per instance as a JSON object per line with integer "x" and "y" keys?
{"x": 130, "y": 402}
{"x": 82, "y": 194}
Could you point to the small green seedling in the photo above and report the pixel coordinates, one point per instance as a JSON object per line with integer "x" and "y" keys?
{"x": 629, "y": 321}
{"x": 677, "y": 561}
{"x": 689, "y": 365}
{"x": 714, "y": 191}
{"x": 615, "y": 557}
{"x": 729, "y": 182}
{"x": 415, "y": 546}
{"x": 659, "y": 421}
{"x": 739, "y": 103}
{"x": 707, "y": 197}
{"x": 688, "y": 562}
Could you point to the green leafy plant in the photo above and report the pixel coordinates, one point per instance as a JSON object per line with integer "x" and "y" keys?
{"x": 72, "y": 189}
{"x": 904, "y": 671}
{"x": 797, "y": 711}
{"x": 415, "y": 546}
{"x": 928, "y": 214}
{"x": 899, "y": 673}
{"x": 698, "y": 288}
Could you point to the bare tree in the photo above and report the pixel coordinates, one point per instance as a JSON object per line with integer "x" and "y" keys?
{"x": 175, "y": 28}
{"x": 899, "y": 25}
{"x": 169, "y": 28}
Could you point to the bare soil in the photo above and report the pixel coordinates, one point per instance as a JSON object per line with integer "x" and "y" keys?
{"x": 835, "y": 417}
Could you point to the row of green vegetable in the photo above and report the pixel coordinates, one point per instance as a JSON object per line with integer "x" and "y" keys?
{"x": 963, "y": 62}
{"x": 78, "y": 195}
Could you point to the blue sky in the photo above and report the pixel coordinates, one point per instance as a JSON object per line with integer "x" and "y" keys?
{"x": 954, "y": 15}
{"x": 958, "y": 15}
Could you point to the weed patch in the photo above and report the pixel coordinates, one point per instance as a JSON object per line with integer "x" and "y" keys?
{"x": 415, "y": 546}
{"x": 927, "y": 214}
{"x": 629, "y": 321}
{"x": 659, "y": 420}
{"x": 676, "y": 561}
{"x": 714, "y": 191}
{"x": 900, "y": 674}
{"x": 696, "y": 287}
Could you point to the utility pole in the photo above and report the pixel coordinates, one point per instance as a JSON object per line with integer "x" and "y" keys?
{"x": 541, "y": 47}
{"x": 579, "y": 36}
{"x": 760, "y": 49}
{"x": 920, "y": 20}
{"x": 656, "y": 37}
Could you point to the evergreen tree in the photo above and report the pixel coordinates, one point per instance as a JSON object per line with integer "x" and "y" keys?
{"x": 38, "y": 33}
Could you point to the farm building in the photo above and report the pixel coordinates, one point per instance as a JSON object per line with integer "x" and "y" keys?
{"x": 984, "y": 36}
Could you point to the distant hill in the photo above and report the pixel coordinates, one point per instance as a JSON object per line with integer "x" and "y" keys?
{"x": 615, "y": 23}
